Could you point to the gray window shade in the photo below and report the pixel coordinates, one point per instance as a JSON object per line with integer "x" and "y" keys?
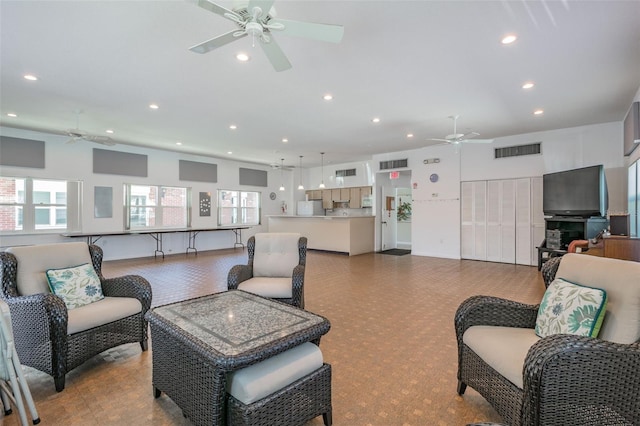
{"x": 199, "y": 172}
{"x": 253, "y": 177}
{"x": 19, "y": 152}
{"x": 119, "y": 163}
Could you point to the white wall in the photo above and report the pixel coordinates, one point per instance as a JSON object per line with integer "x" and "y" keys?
{"x": 436, "y": 206}
{"x": 75, "y": 162}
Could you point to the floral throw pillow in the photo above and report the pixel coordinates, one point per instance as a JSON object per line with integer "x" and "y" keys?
{"x": 77, "y": 286}
{"x": 569, "y": 308}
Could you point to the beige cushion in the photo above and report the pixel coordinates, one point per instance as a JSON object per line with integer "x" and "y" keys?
{"x": 503, "y": 348}
{"x": 257, "y": 381}
{"x": 621, "y": 280}
{"x": 276, "y": 254}
{"x": 33, "y": 261}
{"x": 101, "y": 312}
{"x": 279, "y": 288}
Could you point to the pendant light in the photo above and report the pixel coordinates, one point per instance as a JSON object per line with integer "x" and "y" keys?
{"x": 321, "y": 186}
{"x": 281, "y": 174}
{"x": 301, "y": 186}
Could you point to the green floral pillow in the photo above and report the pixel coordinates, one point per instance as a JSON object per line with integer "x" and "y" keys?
{"x": 77, "y": 286}
{"x": 569, "y": 308}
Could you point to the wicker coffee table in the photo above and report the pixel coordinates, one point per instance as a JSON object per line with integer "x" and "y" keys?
{"x": 197, "y": 341}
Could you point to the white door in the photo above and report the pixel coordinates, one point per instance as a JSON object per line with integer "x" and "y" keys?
{"x": 537, "y": 218}
{"x": 523, "y": 221}
{"x": 473, "y": 243}
{"x": 388, "y": 220}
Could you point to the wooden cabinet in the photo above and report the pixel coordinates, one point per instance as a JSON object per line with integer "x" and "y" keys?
{"x": 314, "y": 194}
{"x": 327, "y": 202}
{"x": 624, "y": 248}
{"x": 355, "y": 197}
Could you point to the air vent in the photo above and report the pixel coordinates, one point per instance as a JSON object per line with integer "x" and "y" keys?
{"x": 515, "y": 151}
{"x": 393, "y": 164}
{"x": 345, "y": 172}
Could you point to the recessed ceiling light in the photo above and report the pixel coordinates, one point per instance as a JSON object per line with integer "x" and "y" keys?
{"x": 242, "y": 57}
{"x": 153, "y": 106}
{"x": 528, "y": 85}
{"x": 30, "y": 77}
{"x": 12, "y": 114}
{"x": 327, "y": 97}
{"x": 178, "y": 143}
{"x": 285, "y": 140}
{"x": 508, "y": 39}
{"x": 409, "y": 135}
{"x": 229, "y": 152}
{"x": 538, "y": 112}
{"x": 375, "y": 120}
{"x": 233, "y": 127}
{"x": 109, "y": 131}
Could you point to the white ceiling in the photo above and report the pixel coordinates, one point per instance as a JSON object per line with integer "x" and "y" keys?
{"x": 411, "y": 63}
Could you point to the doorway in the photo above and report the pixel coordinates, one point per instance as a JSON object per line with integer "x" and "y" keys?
{"x": 394, "y": 209}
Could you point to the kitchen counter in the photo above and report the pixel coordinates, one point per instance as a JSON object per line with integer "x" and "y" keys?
{"x": 345, "y": 234}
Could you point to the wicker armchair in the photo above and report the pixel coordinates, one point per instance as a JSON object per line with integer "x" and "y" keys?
{"x": 41, "y": 320}
{"x": 275, "y": 268}
{"x": 565, "y": 379}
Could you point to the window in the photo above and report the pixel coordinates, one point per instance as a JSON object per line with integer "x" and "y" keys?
{"x": 151, "y": 206}
{"x": 38, "y": 205}
{"x": 238, "y": 208}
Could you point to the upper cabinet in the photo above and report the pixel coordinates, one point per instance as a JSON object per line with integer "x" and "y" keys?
{"x": 314, "y": 194}
{"x": 355, "y": 197}
{"x": 328, "y": 196}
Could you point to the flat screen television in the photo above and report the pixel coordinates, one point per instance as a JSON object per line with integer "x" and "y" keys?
{"x": 578, "y": 192}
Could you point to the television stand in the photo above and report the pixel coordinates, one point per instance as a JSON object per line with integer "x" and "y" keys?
{"x": 545, "y": 254}
{"x": 561, "y": 230}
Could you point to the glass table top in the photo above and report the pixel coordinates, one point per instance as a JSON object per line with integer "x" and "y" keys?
{"x": 235, "y": 322}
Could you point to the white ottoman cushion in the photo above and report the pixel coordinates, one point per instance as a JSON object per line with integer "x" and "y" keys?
{"x": 257, "y": 381}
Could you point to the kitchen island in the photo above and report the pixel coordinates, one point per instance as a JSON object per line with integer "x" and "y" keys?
{"x": 346, "y": 234}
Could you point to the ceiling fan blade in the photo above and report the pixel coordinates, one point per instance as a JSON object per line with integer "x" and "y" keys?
{"x": 275, "y": 55}
{"x": 216, "y": 42}
{"x": 477, "y": 140}
{"x": 439, "y": 140}
{"x": 217, "y": 9}
{"x": 264, "y": 5}
{"x": 104, "y": 140}
{"x": 470, "y": 135}
{"x": 322, "y": 32}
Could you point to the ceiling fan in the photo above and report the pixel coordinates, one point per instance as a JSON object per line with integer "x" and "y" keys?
{"x": 257, "y": 18}
{"x": 281, "y": 166}
{"x": 457, "y": 138}
{"x": 80, "y": 135}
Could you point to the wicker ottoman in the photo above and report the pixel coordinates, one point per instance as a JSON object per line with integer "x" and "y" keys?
{"x": 281, "y": 390}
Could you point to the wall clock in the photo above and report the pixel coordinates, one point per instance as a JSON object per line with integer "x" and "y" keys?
{"x": 434, "y": 177}
{"x": 272, "y": 195}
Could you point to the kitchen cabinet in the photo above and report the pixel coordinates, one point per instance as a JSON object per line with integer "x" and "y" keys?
{"x": 355, "y": 197}
{"x": 327, "y": 202}
{"x": 340, "y": 194}
{"x": 314, "y": 194}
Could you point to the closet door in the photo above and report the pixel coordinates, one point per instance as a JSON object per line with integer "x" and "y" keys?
{"x": 508, "y": 221}
{"x": 523, "y": 221}
{"x": 494, "y": 225}
{"x": 473, "y": 244}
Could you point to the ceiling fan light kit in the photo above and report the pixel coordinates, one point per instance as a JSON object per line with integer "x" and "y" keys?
{"x": 251, "y": 18}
